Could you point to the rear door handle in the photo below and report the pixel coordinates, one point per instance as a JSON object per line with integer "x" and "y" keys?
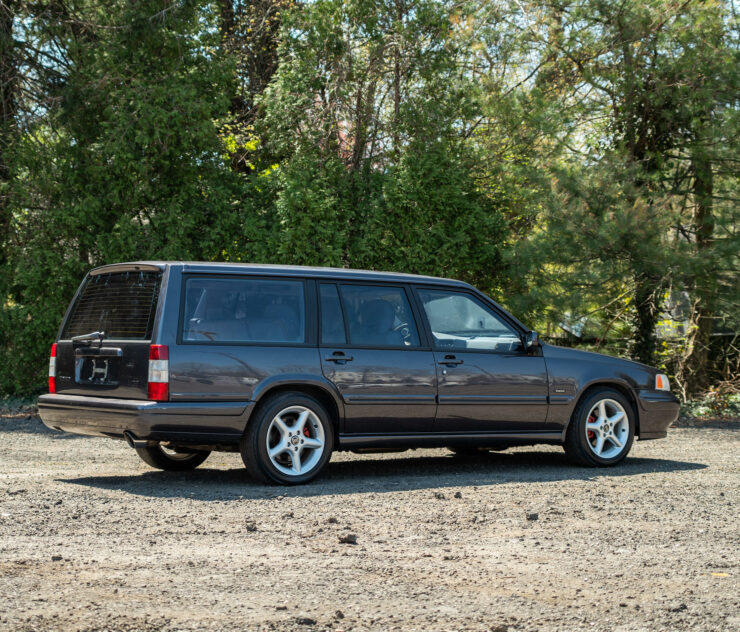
{"x": 338, "y": 357}
{"x": 450, "y": 360}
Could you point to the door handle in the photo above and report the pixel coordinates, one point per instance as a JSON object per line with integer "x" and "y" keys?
{"x": 338, "y": 357}
{"x": 450, "y": 360}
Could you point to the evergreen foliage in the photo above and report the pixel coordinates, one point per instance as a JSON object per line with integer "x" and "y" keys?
{"x": 577, "y": 159}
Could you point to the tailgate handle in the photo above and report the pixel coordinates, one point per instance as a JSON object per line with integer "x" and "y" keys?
{"x": 100, "y": 352}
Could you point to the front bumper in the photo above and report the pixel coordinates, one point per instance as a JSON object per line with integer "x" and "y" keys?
{"x": 192, "y": 422}
{"x": 658, "y": 410}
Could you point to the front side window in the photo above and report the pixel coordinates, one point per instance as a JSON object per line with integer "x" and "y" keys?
{"x": 244, "y": 310}
{"x": 458, "y": 321}
{"x": 378, "y": 316}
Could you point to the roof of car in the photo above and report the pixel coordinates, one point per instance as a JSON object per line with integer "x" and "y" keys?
{"x": 269, "y": 269}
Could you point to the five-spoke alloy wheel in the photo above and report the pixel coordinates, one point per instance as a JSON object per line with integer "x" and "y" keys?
{"x": 289, "y": 441}
{"x": 607, "y": 428}
{"x": 602, "y": 429}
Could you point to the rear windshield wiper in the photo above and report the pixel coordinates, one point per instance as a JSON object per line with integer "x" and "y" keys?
{"x": 95, "y": 335}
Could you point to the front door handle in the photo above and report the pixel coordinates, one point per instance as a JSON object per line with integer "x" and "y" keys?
{"x": 338, "y": 356}
{"x": 450, "y": 360}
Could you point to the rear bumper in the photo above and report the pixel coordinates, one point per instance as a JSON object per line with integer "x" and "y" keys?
{"x": 658, "y": 410}
{"x": 199, "y": 422}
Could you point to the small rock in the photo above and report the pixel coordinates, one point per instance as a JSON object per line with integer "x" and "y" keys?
{"x": 458, "y": 494}
{"x": 533, "y": 516}
{"x": 339, "y": 614}
{"x": 439, "y": 495}
{"x": 499, "y": 628}
{"x": 349, "y": 538}
{"x": 305, "y": 621}
{"x": 680, "y": 608}
{"x": 56, "y": 558}
{"x": 251, "y": 527}
{"x": 281, "y": 607}
{"x": 332, "y": 520}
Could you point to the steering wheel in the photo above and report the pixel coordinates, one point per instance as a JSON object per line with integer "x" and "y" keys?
{"x": 405, "y": 331}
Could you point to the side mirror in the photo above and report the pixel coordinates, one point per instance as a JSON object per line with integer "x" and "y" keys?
{"x": 531, "y": 340}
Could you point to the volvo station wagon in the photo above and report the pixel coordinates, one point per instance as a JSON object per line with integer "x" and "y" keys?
{"x": 289, "y": 364}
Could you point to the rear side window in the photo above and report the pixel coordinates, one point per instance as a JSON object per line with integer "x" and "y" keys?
{"x": 244, "y": 310}
{"x": 378, "y": 316}
{"x": 120, "y": 304}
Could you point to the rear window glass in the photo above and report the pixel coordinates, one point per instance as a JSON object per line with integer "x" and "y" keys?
{"x": 244, "y": 310}
{"x": 119, "y": 304}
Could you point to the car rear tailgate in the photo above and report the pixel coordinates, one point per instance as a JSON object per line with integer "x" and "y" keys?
{"x": 103, "y": 349}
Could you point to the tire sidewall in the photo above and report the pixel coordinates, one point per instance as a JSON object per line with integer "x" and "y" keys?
{"x": 156, "y": 457}
{"x": 259, "y": 437}
{"x": 580, "y": 425}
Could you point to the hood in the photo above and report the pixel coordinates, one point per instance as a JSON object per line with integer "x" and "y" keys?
{"x": 566, "y": 353}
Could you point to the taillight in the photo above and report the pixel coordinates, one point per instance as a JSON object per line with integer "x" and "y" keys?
{"x": 53, "y": 369}
{"x": 159, "y": 373}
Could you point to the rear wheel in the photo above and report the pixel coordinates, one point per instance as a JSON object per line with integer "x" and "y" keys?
{"x": 289, "y": 441}
{"x": 171, "y": 460}
{"x": 602, "y": 429}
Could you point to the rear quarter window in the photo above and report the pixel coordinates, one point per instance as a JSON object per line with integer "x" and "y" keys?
{"x": 120, "y": 304}
{"x": 245, "y": 310}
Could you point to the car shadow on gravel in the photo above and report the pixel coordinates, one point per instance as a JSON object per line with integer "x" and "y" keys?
{"x": 378, "y": 475}
{"x": 31, "y": 424}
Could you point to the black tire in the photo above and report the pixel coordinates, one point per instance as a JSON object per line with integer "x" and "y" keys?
{"x": 172, "y": 462}
{"x": 318, "y": 428}
{"x": 581, "y": 444}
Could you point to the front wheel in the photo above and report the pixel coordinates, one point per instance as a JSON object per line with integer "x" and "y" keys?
{"x": 171, "y": 460}
{"x": 602, "y": 429}
{"x": 289, "y": 441}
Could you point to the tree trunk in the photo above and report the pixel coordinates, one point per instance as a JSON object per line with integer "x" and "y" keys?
{"x": 705, "y": 281}
{"x": 648, "y": 300}
{"x": 397, "y": 79}
{"x": 8, "y": 105}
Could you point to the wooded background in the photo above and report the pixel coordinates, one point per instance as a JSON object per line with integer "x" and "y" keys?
{"x": 577, "y": 160}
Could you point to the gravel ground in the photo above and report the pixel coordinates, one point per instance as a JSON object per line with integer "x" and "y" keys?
{"x": 92, "y": 539}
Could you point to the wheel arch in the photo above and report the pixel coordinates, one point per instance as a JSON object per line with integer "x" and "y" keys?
{"x": 620, "y": 387}
{"x": 321, "y": 392}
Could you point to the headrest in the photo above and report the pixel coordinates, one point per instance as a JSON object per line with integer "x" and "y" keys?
{"x": 377, "y": 315}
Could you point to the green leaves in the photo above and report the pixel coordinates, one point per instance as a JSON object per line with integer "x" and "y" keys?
{"x": 578, "y": 160}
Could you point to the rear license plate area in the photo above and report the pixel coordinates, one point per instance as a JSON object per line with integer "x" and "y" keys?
{"x": 97, "y": 368}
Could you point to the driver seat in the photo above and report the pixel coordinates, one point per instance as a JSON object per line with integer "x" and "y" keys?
{"x": 377, "y": 319}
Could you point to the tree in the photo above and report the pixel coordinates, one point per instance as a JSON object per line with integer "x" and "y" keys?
{"x": 127, "y": 165}
{"x": 636, "y": 87}
{"x": 366, "y": 117}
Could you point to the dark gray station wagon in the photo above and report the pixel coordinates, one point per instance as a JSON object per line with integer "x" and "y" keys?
{"x": 287, "y": 364}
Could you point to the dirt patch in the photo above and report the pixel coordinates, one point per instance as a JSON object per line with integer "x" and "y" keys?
{"x": 92, "y": 539}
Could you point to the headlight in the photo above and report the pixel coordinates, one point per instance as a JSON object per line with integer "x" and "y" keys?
{"x": 662, "y": 383}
